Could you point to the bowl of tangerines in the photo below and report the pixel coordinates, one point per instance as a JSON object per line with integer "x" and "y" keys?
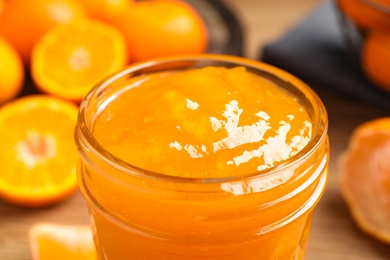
{"x": 366, "y": 27}
{"x": 52, "y": 52}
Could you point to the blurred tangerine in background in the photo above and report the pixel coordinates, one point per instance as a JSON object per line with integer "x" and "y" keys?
{"x": 366, "y": 26}
{"x": 24, "y": 22}
{"x": 376, "y": 58}
{"x": 11, "y": 72}
{"x": 1, "y": 6}
{"x": 367, "y": 14}
{"x": 106, "y": 10}
{"x": 162, "y": 27}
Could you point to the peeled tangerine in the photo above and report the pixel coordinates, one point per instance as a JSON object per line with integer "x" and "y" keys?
{"x": 365, "y": 177}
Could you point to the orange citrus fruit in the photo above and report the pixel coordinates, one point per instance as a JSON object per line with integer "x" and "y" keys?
{"x": 376, "y": 58}
{"x": 72, "y": 58}
{"x": 23, "y": 22}
{"x": 365, "y": 177}
{"x": 50, "y": 241}
{"x": 38, "y": 156}
{"x": 11, "y": 72}
{"x": 164, "y": 27}
{"x": 367, "y": 14}
{"x": 2, "y": 3}
{"x": 105, "y": 10}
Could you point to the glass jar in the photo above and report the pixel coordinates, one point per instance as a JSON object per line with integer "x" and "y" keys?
{"x": 137, "y": 214}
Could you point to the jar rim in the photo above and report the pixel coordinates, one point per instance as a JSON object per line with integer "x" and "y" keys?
{"x": 84, "y": 135}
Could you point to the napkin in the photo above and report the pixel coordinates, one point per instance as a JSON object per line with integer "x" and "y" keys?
{"x": 314, "y": 50}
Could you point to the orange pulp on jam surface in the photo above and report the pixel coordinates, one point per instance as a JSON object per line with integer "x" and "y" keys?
{"x": 204, "y": 123}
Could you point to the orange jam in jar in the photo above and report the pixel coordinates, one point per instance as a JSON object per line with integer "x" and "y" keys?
{"x": 202, "y": 157}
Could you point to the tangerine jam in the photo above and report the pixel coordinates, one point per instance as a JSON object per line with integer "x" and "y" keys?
{"x": 202, "y": 157}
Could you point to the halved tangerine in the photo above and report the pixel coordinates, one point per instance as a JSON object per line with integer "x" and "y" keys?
{"x": 72, "y": 58}
{"x": 38, "y": 156}
{"x": 365, "y": 177}
{"x": 50, "y": 241}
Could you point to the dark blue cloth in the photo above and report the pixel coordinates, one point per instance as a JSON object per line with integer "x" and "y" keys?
{"x": 315, "y": 51}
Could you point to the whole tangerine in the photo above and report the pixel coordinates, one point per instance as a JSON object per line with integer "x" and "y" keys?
{"x": 11, "y": 72}
{"x": 105, "y": 10}
{"x": 367, "y": 14}
{"x": 24, "y": 22}
{"x": 2, "y": 3}
{"x": 165, "y": 27}
{"x": 375, "y": 58}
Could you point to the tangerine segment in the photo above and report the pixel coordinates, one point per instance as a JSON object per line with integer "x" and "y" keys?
{"x": 54, "y": 241}
{"x": 38, "y": 155}
{"x": 365, "y": 177}
{"x": 70, "y": 59}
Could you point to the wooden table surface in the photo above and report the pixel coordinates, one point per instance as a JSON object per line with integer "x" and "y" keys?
{"x": 334, "y": 235}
